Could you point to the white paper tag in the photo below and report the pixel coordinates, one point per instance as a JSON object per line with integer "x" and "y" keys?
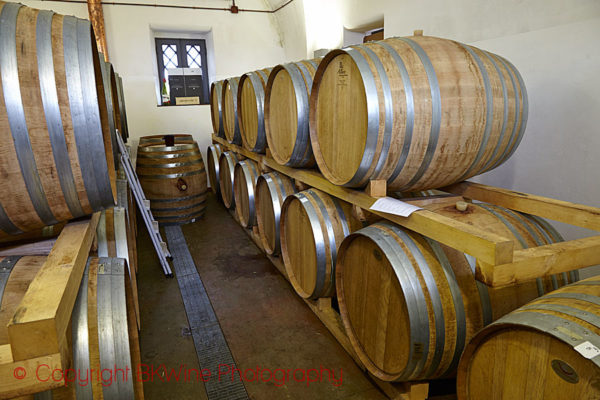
{"x": 587, "y": 350}
{"x": 394, "y": 206}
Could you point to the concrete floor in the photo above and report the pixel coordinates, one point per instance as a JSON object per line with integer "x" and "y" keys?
{"x": 265, "y": 323}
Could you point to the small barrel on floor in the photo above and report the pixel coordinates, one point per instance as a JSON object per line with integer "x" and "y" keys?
{"x": 286, "y": 113}
{"x": 227, "y": 163}
{"x": 271, "y": 191}
{"x": 313, "y": 225}
{"x": 229, "y": 104}
{"x": 245, "y": 174}
{"x": 173, "y": 179}
{"x": 251, "y": 104}
{"x": 410, "y": 304}
{"x": 547, "y": 349}
{"x": 213, "y": 154}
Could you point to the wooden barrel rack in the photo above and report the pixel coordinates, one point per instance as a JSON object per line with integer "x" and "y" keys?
{"x": 499, "y": 263}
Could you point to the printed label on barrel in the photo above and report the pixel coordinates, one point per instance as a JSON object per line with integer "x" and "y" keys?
{"x": 342, "y": 75}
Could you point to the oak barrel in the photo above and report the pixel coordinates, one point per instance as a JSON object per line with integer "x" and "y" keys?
{"x": 245, "y": 174}
{"x": 100, "y": 334}
{"x": 122, "y": 109}
{"x": 229, "y": 104}
{"x": 57, "y": 148}
{"x": 166, "y": 139}
{"x": 547, "y": 350}
{"x": 286, "y": 113}
{"x": 419, "y": 112}
{"x": 213, "y": 154}
{"x": 216, "y": 108}
{"x": 271, "y": 191}
{"x": 251, "y": 104}
{"x": 227, "y": 163}
{"x": 410, "y": 304}
{"x": 313, "y": 225}
{"x": 173, "y": 178}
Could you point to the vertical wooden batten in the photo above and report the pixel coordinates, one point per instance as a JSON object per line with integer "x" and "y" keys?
{"x": 97, "y": 19}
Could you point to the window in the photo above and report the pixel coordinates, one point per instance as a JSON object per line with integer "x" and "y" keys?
{"x": 182, "y": 71}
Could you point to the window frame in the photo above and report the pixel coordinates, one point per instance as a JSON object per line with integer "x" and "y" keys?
{"x": 182, "y": 62}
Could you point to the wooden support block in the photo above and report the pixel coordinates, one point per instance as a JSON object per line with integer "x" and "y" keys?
{"x": 418, "y": 32}
{"x": 377, "y": 188}
{"x": 264, "y": 168}
{"x": 537, "y": 262}
{"x": 556, "y": 210}
{"x": 42, "y": 318}
{"x": 268, "y": 153}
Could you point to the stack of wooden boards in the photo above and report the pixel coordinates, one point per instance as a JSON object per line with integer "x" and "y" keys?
{"x": 68, "y": 290}
{"x": 410, "y": 293}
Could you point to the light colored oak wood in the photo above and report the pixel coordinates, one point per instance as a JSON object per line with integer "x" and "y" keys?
{"x": 216, "y": 108}
{"x": 227, "y": 163}
{"x": 376, "y": 188}
{"x": 244, "y": 188}
{"x": 230, "y": 110}
{"x": 213, "y": 154}
{"x": 43, "y": 314}
{"x": 97, "y": 19}
{"x": 286, "y": 113}
{"x": 386, "y": 276}
{"x": 251, "y": 119}
{"x": 485, "y": 246}
{"x": 271, "y": 191}
{"x": 16, "y": 201}
{"x": 438, "y": 119}
{"x": 556, "y": 210}
{"x": 508, "y": 360}
{"x": 313, "y": 225}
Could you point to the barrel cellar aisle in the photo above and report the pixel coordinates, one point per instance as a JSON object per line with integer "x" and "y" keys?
{"x": 265, "y": 324}
{"x": 299, "y": 199}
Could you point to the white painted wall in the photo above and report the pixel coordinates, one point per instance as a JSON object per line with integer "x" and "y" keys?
{"x": 554, "y": 44}
{"x": 242, "y": 42}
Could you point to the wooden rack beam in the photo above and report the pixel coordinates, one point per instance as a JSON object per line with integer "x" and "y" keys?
{"x": 499, "y": 264}
{"x": 488, "y": 247}
{"x": 43, "y": 316}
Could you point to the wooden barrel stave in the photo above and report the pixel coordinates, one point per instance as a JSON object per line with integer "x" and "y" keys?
{"x": 229, "y": 102}
{"x": 251, "y": 104}
{"x": 40, "y": 92}
{"x": 412, "y": 144}
{"x": 435, "y": 314}
{"x": 213, "y": 154}
{"x": 313, "y": 225}
{"x": 227, "y": 163}
{"x": 286, "y": 113}
{"x": 245, "y": 174}
{"x": 535, "y": 347}
{"x": 271, "y": 191}
{"x": 122, "y": 110}
{"x": 173, "y": 179}
{"x": 216, "y": 108}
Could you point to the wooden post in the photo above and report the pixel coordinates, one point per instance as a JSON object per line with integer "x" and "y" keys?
{"x": 97, "y": 19}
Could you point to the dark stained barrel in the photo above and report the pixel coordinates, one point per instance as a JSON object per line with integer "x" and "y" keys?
{"x": 173, "y": 178}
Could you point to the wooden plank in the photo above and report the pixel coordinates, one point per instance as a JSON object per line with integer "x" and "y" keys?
{"x": 556, "y": 210}
{"x": 96, "y": 15}
{"x": 488, "y": 247}
{"x": 43, "y": 316}
{"x": 541, "y": 261}
{"x": 11, "y": 387}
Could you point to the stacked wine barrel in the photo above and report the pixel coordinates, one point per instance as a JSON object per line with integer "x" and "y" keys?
{"x": 172, "y": 174}
{"x": 60, "y": 115}
{"x": 419, "y": 113}
{"x": 547, "y": 349}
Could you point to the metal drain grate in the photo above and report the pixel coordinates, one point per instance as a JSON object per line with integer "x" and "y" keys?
{"x": 210, "y": 343}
